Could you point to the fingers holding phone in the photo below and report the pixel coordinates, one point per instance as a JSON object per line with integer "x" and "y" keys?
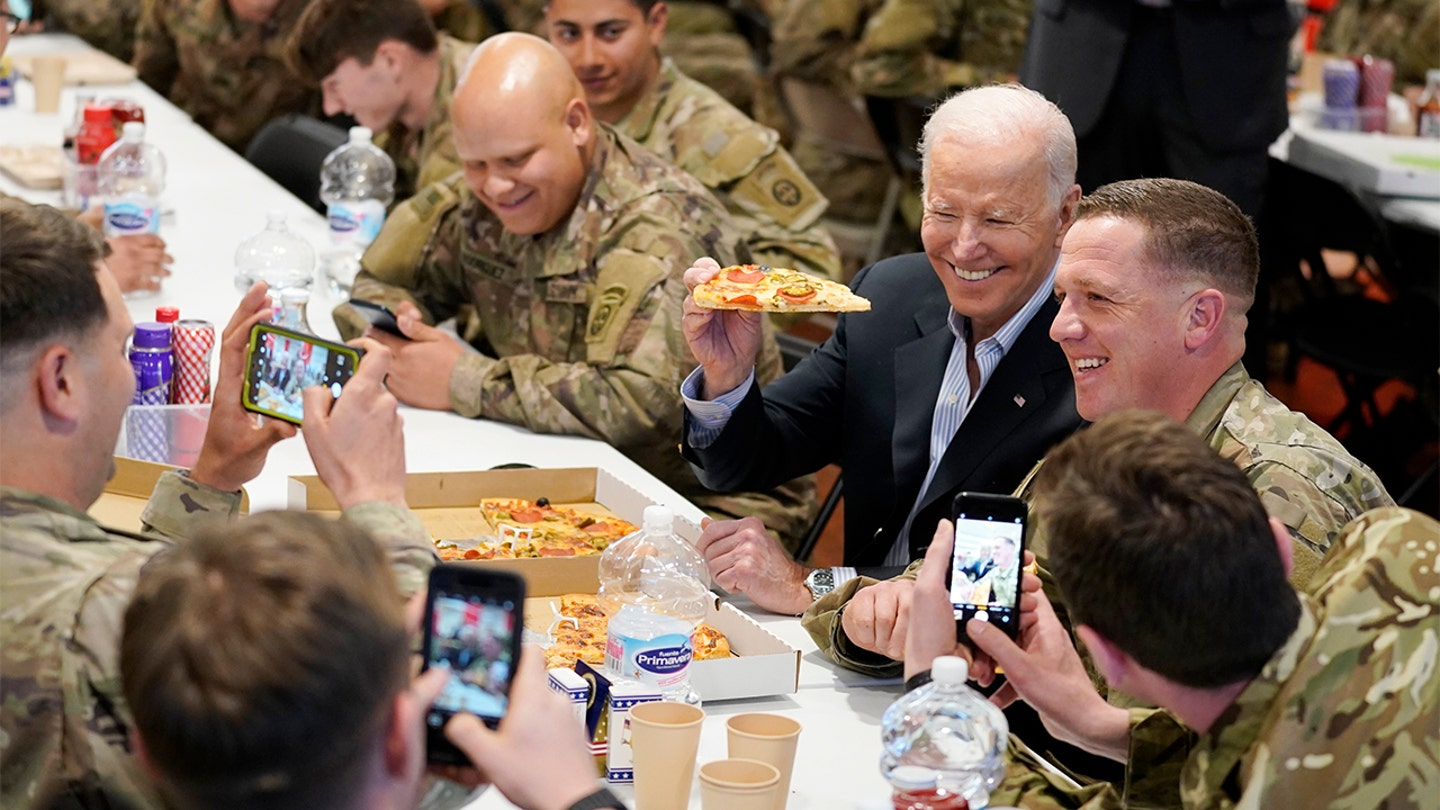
{"x": 236, "y": 444}
{"x": 357, "y": 440}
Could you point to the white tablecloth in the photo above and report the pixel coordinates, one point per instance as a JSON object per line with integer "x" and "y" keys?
{"x": 219, "y": 199}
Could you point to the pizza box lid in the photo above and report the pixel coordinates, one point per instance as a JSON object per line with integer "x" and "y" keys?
{"x": 448, "y": 504}
{"x": 128, "y": 490}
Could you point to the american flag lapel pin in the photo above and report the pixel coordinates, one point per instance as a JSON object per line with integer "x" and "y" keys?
{"x": 1019, "y": 401}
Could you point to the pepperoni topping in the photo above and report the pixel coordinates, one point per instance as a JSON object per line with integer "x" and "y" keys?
{"x": 745, "y": 274}
{"x": 748, "y": 300}
{"x": 526, "y": 515}
{"x": 797, "y": 293}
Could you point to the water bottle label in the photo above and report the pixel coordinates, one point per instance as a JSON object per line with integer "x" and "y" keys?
{"x": 131, "y": 216}
{"x": 356, "y": 221}
{"x": 662, "y": 661}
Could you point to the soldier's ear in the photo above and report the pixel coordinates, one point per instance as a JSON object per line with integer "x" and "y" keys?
{"x": 658, "y": 19}
{"x": 60, "y": 387}
{"x": 1112, "y": 662}
{"x": 1204, "y": 313}
{"x": 580, "y": 122}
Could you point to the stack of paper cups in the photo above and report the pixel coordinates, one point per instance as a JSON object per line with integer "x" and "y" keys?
{"x": 193, "y": 340}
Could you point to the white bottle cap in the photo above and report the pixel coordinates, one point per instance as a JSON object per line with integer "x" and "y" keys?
{"x": 133, "y": 131}
{"x": 950, "y": 670}
{"x": 913, "y": 777}
{"x": 360, "y": 135}
{"x": 275, "y": 217}
{"x": 659, "y": 518}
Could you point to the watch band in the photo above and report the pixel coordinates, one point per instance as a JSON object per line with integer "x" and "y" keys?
{"x": 601, "y": 798}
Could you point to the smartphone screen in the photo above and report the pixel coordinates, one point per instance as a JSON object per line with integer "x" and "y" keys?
{"x": 473, "y": 628}
{"x": 984, "y": 576}
{"x": 281, "y": 363}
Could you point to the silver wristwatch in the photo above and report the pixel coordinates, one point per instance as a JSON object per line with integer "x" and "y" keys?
{"x": 820, "y": 582}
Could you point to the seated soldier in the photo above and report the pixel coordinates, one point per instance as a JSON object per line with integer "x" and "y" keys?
{"x": 239, "y": 661}
{"x": 1175, "y": 578}
{"x": 560, "y": 254}
{"x": 222, "y": 62}
{"x": 613, "y": 46}
{"x": 382, "y": 62}
{"x": 65, "y": 579}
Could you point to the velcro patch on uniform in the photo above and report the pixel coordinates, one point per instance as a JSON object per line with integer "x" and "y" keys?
{"x": 603, "y": 312}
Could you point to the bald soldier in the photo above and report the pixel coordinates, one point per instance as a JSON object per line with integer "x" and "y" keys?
{"x": 560, "y": 252}
{"x": 222, "y": 62}
{"x": 614, "y": 48}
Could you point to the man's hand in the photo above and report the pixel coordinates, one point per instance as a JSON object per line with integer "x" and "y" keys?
{"x": 356, "y": 441}
{"x": 237, "y": 441}
{"x": 744, "y": 558}
{"x": 932, "y": 615}
{"x": 420, "y": 373}
{"x": 538, "y": 757}
{"x": 877, "y": 618}
{"x": 726, "y": 342}
{"x": 1044, "y": 670}
{"x": 138, "y": 262}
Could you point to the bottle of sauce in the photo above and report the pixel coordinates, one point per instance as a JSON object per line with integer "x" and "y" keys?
{"x": 1428, "y": 116}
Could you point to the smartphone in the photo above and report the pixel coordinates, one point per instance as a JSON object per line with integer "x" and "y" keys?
{"x": 378, "y": 315}
{"x": 984, "y": 575}
{"x": 473, "y": 626}
{"x": 281, "y": 363}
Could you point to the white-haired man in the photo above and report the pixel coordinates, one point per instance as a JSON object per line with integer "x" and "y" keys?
{"x": 949, "y": 383}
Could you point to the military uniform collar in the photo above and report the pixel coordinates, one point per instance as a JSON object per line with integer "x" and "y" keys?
{"x": 1210, "y": 778}
{"x": 1206, "y": 416}
{"x": 77, "y": 526}
{"x": 641, "y": 119}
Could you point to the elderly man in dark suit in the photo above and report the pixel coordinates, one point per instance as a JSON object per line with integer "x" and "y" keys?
{"x": 949, "y": 383}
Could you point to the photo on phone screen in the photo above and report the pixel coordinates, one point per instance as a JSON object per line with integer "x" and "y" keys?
{"x": 282, "y": 363}
{"x": 473, "y": 628}
{"x": 984, "y": 577}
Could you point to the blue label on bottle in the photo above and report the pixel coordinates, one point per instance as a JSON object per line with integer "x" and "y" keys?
{"x": 132, "y": 215}
{"x": 665, "y": 660}
{"x": 341, "y": 220}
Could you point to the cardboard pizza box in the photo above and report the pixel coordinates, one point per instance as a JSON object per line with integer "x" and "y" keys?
{"x": 127, "y": 492}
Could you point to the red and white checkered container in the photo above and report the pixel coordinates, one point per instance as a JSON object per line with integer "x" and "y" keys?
{"x": 192, "y": 341}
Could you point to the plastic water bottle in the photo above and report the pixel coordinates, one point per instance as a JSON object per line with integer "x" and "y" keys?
{"x": 950, "y": 729}
{"x": 132, "y": 175}
{"x": 655, "y": 587}
{"x": 357, "y": 182}
{"x": 285, "y": 262}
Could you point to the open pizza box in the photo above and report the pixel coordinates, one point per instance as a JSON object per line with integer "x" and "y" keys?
{"x": 127, "y": 492}
{"x": 448, "y": 505}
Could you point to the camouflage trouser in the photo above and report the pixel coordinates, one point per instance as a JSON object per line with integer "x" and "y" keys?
{"x": 787, "y": 511}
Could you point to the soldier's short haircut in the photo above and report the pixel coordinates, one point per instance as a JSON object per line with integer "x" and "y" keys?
{"x": 1003, "y": 113}
{"x": 48, "y": 287}
{"x": 1163, "y": 547}
{"x": 645, "y": 5}
{"x": 1192, "y": 232}
{"x": 331, "y": 31}
{"x": 261, "y": 659}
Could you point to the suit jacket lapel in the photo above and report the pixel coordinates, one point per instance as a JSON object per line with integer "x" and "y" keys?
{"x": 1014, "y": 391}
{"x": 919, "y": 370}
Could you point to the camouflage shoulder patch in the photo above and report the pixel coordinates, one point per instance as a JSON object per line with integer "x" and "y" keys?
{"x": 394, "y": 256}
{"x": 622, "y": 286}
{"x": 777, "y": 189}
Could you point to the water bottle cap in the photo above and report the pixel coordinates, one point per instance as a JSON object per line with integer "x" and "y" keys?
{"x": 97, "y": 114}
{"x": 151, "y": 336}
{"x": 167, "y": 314}
{"x": 275, "y": 218}
{"x": 361, "y": 135}
{"x": 914, "y": 777}
{"x": 658, "y": 518}
{"x": 133, "y": 131}
{"x": 950, "y": 670}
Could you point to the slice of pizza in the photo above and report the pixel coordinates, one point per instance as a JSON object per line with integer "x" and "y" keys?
{"x": 709, "y": 643}
{"x": 758, "y": 288}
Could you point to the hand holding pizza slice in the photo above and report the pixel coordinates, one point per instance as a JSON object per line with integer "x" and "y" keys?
{"x": 757, "y": 288}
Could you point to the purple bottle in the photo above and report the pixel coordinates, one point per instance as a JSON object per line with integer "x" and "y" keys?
{"x": 154, "y": 363}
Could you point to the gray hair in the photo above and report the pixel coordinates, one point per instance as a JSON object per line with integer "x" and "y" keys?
{"x": 1003, "y": 113}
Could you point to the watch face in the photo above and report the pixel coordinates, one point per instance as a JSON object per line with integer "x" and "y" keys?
{"x": 820, "y": 582}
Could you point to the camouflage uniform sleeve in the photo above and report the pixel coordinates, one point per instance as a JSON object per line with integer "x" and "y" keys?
{"x": 1313, "y": 517}
{"x": 156, "y": 60}
{"x": 404, "y": 538}
{"x": 179, "y": 506}
{"x": 1029, "y": 784}
{"x": 822, "y": 622}
{"x": 414, "y": 258}
{"x": 625, "y": 391}
{"x": 895, "y": 57}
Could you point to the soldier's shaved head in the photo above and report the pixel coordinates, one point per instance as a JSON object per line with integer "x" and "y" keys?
{"x": 523, "y": 132}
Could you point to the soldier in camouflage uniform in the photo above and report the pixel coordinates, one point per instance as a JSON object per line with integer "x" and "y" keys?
{"x": 461, "y": 19}
{"x": 1407, "y": 32}
{"x": 1319, "y": 699}
{"x": 223, "y": 62}
{"x": 64, "y": 578}
{"x": 109, "y": 26}
{"x": 927, "y": 47}
{"x": 560, "y": 254}
{"x": 647, "y": 98}
{"x": 382, "y": 62}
